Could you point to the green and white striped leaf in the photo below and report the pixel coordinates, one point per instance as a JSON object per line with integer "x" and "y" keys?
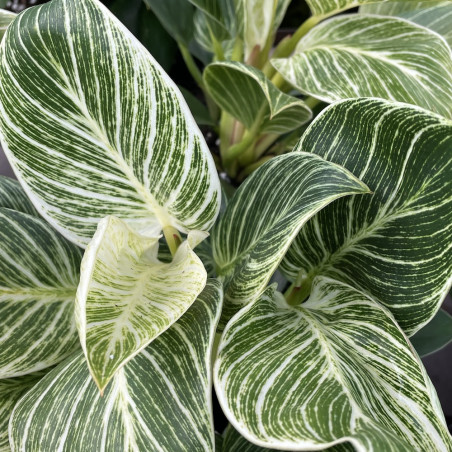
{"x": 13, "y": 197}
{"x": 434, "y": 15}
{"x": 435, "y": 335}
{"x": 245, "y": 93}
{"x": 160, "y": 401}
{"x": 394, "y": 245}
{"x": 371, "y": 56}
{"x": 11, "y": 390}
{"x": 265, "y": 215}
{"x": 336, "y": 369}
{"x": 94, "y": 127}
{"x": 39, "y": 273}
{"x": 6, "y": 17}
{"x": 127, "y": 297}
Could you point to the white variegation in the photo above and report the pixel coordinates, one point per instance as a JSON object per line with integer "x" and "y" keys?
{"x": 394, "y": 245}
{"x": 13, "y": 197}
{"x": 372, "y": 56}
{"x": 127, "y": 297}
{"x": 336, "y": 369}
{"x": 39, "y": 273}
{"x": 94, "y": 127}
{"x": 436, "y": 15}
{"x": 6, "y": 17}
{"x": 265, "y": 215}
{"x": 245, "y": 93}
{"x": 160, "y": 401}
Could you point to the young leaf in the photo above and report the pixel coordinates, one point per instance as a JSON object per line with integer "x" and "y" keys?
{"x": 435, "y": 335}
{"x": 39, "y": 273}
{"x": 265, "y": 215}
{"x": 11, "y": 390}
{"x": 335, "y": 369}
{"x": 434, "y": 15}
{"x": 245, "y": 93}
{"x": 13, "y": 197}
{"x": 394, "y": 245}
{"x": 94, "y": 127}
{"x": 160, "y": 401}
{"x": 6, "y": 17}
{"x": 360, "y": 56}
{"x": 127, "y": 297}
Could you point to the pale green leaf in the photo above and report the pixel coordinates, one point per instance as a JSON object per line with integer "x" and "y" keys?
{"x": 371, "y": 56}
{"x": 160, "y": 401}
{"x": 223, "y": 12}
{"x": 39, "y": 273}
{"x": 394, "y": 245}
{"x": 11, "y": 390}
{"x": 265, "y": 215}
{"x": 127, "y": 297}
{"x": 6, "y": 17}
{"x": 434, "y": 15}
{"x": 435, "y": 335}
{"x": 245, "y": 93}
{"x": 335, "y": 369}
{"x": 13, "y": 197}
{"x": 94, "y": 127}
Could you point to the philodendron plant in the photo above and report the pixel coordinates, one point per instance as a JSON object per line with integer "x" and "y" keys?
{"x": 119, "y": 312}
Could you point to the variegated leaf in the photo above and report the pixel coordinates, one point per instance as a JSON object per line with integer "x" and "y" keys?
{"x": 245, "y": 93}
{"x": 39, "y": 273}
{"x": 160, "y": 401}
{"x": 11, "y": 390}
{"x": 127, "y": 297}
{"x": 94, "y": 127}
{"x": 336, "y": 369}
{"x": 371, "y": 56}
{"x": 434, "y": 15}
{"x": 394, "y": 245}
{"x": 265, "y": 215}
{"x": 6, "y": 17}
{"x": 13, "y": 197}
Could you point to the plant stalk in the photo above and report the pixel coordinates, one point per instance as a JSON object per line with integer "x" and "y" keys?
{"x": 173, "y": 238}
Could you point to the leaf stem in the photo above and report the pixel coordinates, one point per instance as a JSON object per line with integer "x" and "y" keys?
{"x": 297, "y": 293}
{"x": 173, "y": 238}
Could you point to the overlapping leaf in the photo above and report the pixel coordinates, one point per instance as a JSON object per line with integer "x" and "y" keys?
{"x": 94, "y": 127}
{"x": 11, "y": 390}
{"x": 359, "y": 56}
{"x": 336, "y": 369}
{"x": 245, "y": 93}
{"x": 434, "y": 15}
{"x": 6, "y": 17}
{"x": 264, "y": 216}
{"x": 394, "y": 245}
{"x": 13, "y": 197}
{"x": 160, "y": 401}
{"x": 127, "y": 297}
{"x": 39, "y": 273}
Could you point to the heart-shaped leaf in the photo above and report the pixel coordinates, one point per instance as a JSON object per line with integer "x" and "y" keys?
{"x": 160, "y": 401}
{"x": 264, "y": 216}
{"x": 94, "y": 127}
{"x": 127, "y": 297}
{"x": 394, "y": 245}
{"x": 245, "y": 93}
{"x": 39, "y": 273}
{"x": 372, "y": 56}
{"x": 333, "y": 370}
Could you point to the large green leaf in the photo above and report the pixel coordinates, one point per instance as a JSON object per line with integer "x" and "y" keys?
{"x": 335, "y": 369}
{"x": 265, "y": 215}
{"x": 6, "y": 17}
{"x": 13, "y": 197}
{"x": 434, "y": 15}
{"x": 394, "y": 245}
{"x": 127, "y": 297}
{"x": 94, "y": 127}
{"x": 435, "y": 335}
{"x": 11, "y": 390}
{"x": 39, "y": 273}
{"x": 160, "y": 401}
{"x": 359, "y": 56}
{"x": 245, "y": 93}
